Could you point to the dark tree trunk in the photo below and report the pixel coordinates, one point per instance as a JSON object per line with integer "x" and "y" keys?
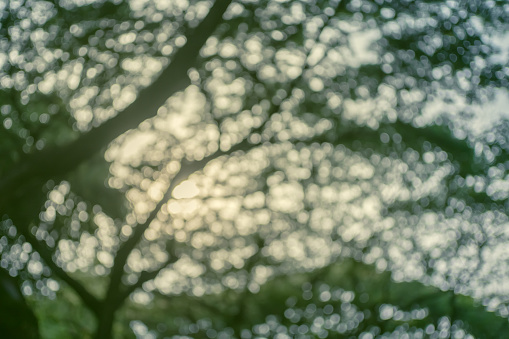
{"x": 105, "y": 320}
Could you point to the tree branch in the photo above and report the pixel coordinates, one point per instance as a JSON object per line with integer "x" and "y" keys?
{"x": 57, "y": 161}
{"x": 35, "y": 169}
{"x": 144, "y": 277}
{"x": 187, "y": 168}
{"x": 88, "y": 299}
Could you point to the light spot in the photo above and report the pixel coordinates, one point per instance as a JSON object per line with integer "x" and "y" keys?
{"x": 185, "y": 190}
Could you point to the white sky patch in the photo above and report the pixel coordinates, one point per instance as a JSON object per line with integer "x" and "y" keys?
{"x": 501, "y": 42}
{"x": 484, "y": 116}
{"x": 286, "y": 197}
{"x": 491, "y": 112}
{"x": 132, "y": 147}
{"x": 185, "y": 190}
{"x": 361, "y": 42}
{"x": 178, "y": 119}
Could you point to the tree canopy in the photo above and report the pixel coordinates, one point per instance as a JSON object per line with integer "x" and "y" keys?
{"x": 255, "y": 169}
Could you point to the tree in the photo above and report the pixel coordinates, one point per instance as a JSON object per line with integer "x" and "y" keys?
{"x": 273, "y": 138}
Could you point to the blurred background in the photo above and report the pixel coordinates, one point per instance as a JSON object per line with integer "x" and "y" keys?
{"x": 254, "y": 169}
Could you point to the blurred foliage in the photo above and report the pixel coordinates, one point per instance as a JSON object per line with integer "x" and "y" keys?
{"x": 318, "y": 169}
{"x": 16, "y": 318}
{"x": 345, "y": 299}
